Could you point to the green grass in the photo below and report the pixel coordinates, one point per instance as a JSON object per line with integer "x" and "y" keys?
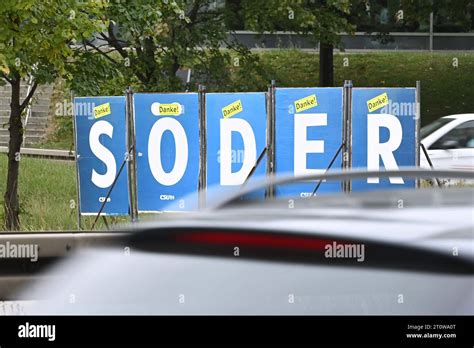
{"x": 64, "y": 143}
{"x": 46, "y": 189}
{"x": 61, "y": 136}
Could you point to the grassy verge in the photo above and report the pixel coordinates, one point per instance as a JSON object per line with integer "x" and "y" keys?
{"x": 47, "y": 195}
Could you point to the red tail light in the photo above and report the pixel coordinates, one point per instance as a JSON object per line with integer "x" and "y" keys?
{"x": 254, "y": 240}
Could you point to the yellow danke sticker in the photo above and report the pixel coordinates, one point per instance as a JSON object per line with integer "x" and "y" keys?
{"x": 173, "y": 109}
{"x": 232, "y": 109}
{"x": 306, "y": 103}
{"x": 102, "y": 110}
{"x": 378, "y": 102}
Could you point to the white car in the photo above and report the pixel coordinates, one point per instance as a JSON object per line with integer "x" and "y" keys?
{"x": 346, "y": 254}
{"x": 449, "y": 142}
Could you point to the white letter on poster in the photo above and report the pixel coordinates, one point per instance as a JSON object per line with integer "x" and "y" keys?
{"x": 303, "y": 146}
{"x": 375, "y": 149}
{"x": 154, "y": 151}
{"x": 250, "y": 150}
{"x": 103, "y": 154}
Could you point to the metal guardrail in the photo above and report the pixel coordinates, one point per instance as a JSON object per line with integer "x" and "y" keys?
{"x": 360, "y": 41}
{"x": 19, "y": 273}
{"x": 28, "y": 108}
{"x": 44, "y": 153}
{"x": 59, "y": 244}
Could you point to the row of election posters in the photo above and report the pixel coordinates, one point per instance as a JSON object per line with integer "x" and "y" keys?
{"x": 308, "y": 134}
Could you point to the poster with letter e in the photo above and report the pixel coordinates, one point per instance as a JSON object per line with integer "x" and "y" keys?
{"x": 308, "y": 136}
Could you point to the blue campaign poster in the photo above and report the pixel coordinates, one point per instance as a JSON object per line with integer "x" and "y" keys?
{"x": 100, "y": 134}
{"x": 308, "y": 136}
{"x": 236, "y": 136}
{"x": 383, "y": 134}
{"x": 167, "y": 145}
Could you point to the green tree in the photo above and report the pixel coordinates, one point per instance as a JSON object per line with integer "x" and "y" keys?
{"x": 449, "y": 15}
{"x": 321, "y": 20}
{"x": 148, "y": 41}
{"x": 36, "y": 39}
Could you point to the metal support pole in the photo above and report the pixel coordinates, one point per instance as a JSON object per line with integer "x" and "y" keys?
{"x": 259, "y": 159}
{"x": 76, "y": 161}
{"x": 430, "y": 163}
{"x": 431, "y": 31}
{"x": 417, "y": 128}
{"x": 329, "y": 167}
{"x": 131, "y": 155}
{"x": 203, "y": 147}
{"x": 125, "y": 161}
{"x": 271, "y": 165}
{"x": 347, "y": 132}
{"x": 105, "y": 222}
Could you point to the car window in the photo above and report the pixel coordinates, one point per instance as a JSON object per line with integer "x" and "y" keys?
{"x": 433, "y": 127}
{"x": 462, "y": 137}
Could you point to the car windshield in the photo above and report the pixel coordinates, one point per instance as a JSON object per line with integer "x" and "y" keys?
{"x": 433, "y": 127}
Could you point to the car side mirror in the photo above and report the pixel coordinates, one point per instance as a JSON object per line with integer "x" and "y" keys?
{"x": 449, "y": 144}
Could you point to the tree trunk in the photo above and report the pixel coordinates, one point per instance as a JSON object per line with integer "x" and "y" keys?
{"x": 12, "y": 206}
{"x": 326, "y": 65}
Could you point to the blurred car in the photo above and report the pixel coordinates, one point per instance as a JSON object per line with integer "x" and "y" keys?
{"x": 385, "y": 252}
{"x": 449, "y": 142}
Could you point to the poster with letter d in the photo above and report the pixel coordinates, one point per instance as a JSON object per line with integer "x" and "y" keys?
{"x": 236, "y": 136}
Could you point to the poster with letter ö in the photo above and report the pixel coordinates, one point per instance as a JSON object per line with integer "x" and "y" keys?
{"x": 167, "y": 146}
